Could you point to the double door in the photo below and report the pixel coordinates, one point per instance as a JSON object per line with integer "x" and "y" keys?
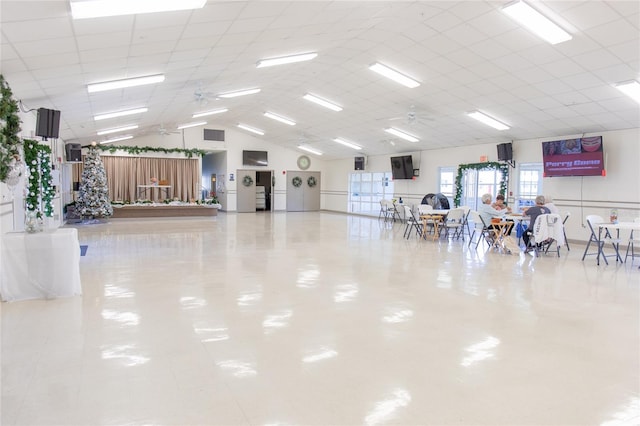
{"x": 303, "y": 191}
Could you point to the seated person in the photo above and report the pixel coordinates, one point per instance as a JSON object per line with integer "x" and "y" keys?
{"x": 549, "y": 204}
{"x": 533, "y": 213}
{"x": 488, "y": 212}
{"x": 499, "y": 204}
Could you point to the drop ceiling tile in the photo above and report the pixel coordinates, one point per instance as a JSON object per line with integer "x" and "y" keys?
{"x": 489, "y": 49}
{"x": 590, "y": 14}
{"x": 102, "y": 55}
{"x": 45, "y": 46}
{"x": 112, "y": 24}
{"x": 565, "y": 68}
{"x": 152, "y": 48}
{"x": 101, "y": 41}
{"x": 52, "y": 61}
{"x": 43, "y": 29}
{"x": 551, "y": 87}
{"x": 443, "y": 21}
{"x": 578, "y": 45}
{"x": 616, "y": 73}
{"x": 626, "y": 52}
{"x": 465, "y": 34}
{"x": 513, "y": 62}
{"x": 613, "y": 33}
{"x": 14, "y": 11}
{"x": 13, "y": 66}
{"x": 597, "y": 59}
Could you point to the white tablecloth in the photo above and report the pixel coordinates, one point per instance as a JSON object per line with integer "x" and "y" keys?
{"x": 44, "y": 265}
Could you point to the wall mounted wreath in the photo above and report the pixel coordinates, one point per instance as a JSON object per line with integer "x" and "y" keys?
{"x": 311, "y": 181}
{"x": 504, "y": 182}
{"x": 247, "y": 180}
{"x": 296, "y": 181}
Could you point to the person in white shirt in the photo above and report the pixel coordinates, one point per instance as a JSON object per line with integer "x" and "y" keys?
{"x": 552, "y": 207}
{"x": 487, "y": 212}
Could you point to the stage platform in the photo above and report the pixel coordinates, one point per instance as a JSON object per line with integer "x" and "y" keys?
{"x": 131, "y": 211}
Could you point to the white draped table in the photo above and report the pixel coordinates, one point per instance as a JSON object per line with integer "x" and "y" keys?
{"x": 44, "y": 265}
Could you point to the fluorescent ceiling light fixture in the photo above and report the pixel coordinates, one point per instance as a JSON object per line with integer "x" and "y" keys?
{"x": 195, "y": 124}
{"x": 631, "y": 89}
{"x": 120, "y": 113}
{"x": 285, "y": 60}
{"x": 213, "y": 112}
{"x": 251, "y": 129}
{"x": 394, "y": 75}
{"x": 401, "y": 134}
{"x": 345, "y": 143}
{"x": 484, "y": 118}
{"x": 279, "y": 118}
{"x": 101, "y": 8}
{"x": 322, "y": 102}
{"x": 311, "y": 150}
{"x": 116, "y": 130}
{"x": 121, "y": 138}
{"x": 127, "y": 82}
{"x": 239, "y": 93}
{"x": 536, "y": 22}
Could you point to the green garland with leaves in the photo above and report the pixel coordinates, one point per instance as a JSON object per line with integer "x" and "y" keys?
{"x": 311, "y": 181}
{"x": 38, "y": 161}
{"x": 135, "y": 150}
{"x": 296, "y": 181}
{"x": 504, "y": 182}
{"x": 9, "y": 129}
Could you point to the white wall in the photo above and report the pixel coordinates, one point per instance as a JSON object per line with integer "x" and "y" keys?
{"x": 580, "y": 196}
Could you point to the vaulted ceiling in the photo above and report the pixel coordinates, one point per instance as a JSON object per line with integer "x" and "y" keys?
{"x": 467, "y": 55}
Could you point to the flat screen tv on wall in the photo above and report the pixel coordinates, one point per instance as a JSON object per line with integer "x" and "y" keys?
{"x": 402, "y": 167}
{"x": 254, "y": 158}
{"x": 573, "y": 157}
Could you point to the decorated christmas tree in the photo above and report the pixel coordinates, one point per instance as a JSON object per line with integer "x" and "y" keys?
{"x": 9, "y": 129}
{"x": 93, "y": 197}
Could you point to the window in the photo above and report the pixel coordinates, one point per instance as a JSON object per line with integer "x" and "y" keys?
{"x": 475, "y": 183}
{"x": 529, "y": 184}
{"x": 367, "y": 189}
{"x": 447, "y": 181}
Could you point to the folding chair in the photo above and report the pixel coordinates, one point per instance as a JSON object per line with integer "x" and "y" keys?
{"x": 547, "y": 229}
{"x": 592, "y": 222}
{"x": 454, "y": 220}
{"x": 411, "y": 223}
{"x": 631, "y": 245}
{"x": 564, "y": 229}
{"x": 480, "y": 227}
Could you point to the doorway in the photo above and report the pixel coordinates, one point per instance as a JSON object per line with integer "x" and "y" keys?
{"x": 254, "y": 190}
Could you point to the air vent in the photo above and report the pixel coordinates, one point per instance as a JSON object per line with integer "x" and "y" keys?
{"x": 213, "y": 135}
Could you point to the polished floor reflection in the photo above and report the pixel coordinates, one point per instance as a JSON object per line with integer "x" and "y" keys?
{"x": 321, "y": 319}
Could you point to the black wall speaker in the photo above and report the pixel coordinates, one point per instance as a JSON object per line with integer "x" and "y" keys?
{"x": 73, "y": 151}
{"x": 48, "y": 123}
{"x": 359, "y": 163}
{"x": 76, "y": 186}
{"x": 505, "y": 152}
{"x": 213, "y": 135}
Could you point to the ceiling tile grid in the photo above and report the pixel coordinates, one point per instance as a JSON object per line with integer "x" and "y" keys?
{"x": 466, "y": 56}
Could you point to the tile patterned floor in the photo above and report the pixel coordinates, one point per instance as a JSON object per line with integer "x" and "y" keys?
{"x": 321, "y": 319}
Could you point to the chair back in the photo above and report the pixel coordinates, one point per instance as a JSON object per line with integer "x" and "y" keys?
{"x": 593, "y": 219}
{"x": 408, "y": 213}
{"x": 477, "y": 220}
{"x": 425, "y": 208}
{"x": 548, "y": 226}
{"x": 566, "y": 217}
{"x": 456, "y": 215}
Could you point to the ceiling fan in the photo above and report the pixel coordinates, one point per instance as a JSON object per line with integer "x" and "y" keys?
{"x": 412, "y": 117}
{"x": 163, "y": 131}
{"x": 202, "y": 96}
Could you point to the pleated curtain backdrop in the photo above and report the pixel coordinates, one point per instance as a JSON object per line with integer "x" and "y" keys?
{"x": 124, "y": 174}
